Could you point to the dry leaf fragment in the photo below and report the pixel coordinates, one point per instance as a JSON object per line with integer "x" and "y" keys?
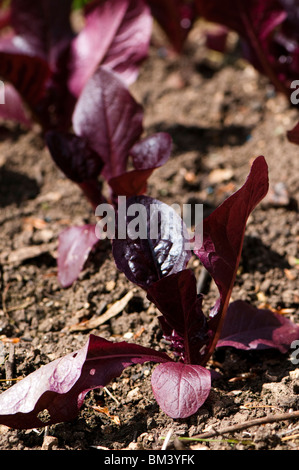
{"x": 220, "y": 174}
{"x": 104, "y": 410}
{"x": 111, "y": 312}
{"x": 290, "y": 275}
{"x": 139, "y": 332}
{"x": 34, "y": 222}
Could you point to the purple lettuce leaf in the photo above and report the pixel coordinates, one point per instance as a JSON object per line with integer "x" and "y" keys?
{"x": 293, "y": 135}
{"x": 148, "y": 154}
{"x": 109, "y": 119}
{"x": 28, "y": 74}
{"x": 150, "y": 244}
{"x": 176, "y": 18}
{"x": 5, "y": 17}
{"x": 183, "y": 322}
{"x": 34, "y": 58}
{"x": 59, "y": 388}
{"x": 121, "y": 31}
{"x": 14, "y": 109}
{"x": 246, "y": 327}
{"x": 73, "y": 156}
{"x": 151, "y": 152}
{"x": 74, "y": 246}
{"x": 78, "y": 162}
{"x": 216, "y": 38}
{"x": 180, "y": 389}
{"x": 223, "y": 234}
{"x": 44, "y": 27}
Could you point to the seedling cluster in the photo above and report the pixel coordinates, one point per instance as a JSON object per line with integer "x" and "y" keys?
{"x": 75, "y": 85}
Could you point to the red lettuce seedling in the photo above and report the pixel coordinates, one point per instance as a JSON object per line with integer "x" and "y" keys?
{"x": 182, "y": 386}
{"x": 108, "y": 125}
{"x": 48, "y": 63}
{"x": 194, "y": 336}
{"x": 57, "y": 390}
{"x": 269, "y": 33}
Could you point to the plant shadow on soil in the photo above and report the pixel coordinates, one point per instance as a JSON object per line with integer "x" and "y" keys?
{"x": 16, "y": 188}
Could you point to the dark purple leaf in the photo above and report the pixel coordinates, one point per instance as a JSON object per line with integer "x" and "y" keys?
{"x": 148, "y": 154}
{"x": 60, "y": 386}
{"x": 183, "y": 322}
{"x": 44, "y": 27}
{"x": 73, "y": 156}
{"x": 264, "y": 15}
{"x": 110, "y": 120}
{"x": 28, "y": 74}
{"x": 78, "y": 162}
{"x": 180, "y": 389}
{"x": 121, "y": 31}
{"x": 75, "y": 244}
{"x": 176, "y": 18}
{"x": 216, "y": 38}
{"x": 150, "y": 242}
{"x": 293, "y": 135}
{"x": 5, "y": 17}
{"x": 223, "y": 234}
{"x": 257, "y": 23}
{"x": 247, "y": 327}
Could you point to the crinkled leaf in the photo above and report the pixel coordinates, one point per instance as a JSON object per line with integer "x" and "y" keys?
{"x": 148, "y": 154}
{"x": 152, "y": 242}
{"x": 223, "y": 234}
{"x": 75, "y": 244}
{"x": 180, "y": 389}
{"x": 110, "y": 120}
{"x": 247, "y": 327}
{"x": 183, "y": 322}
{"x": 55, "y": 392}
{"x": 117, "y": 35}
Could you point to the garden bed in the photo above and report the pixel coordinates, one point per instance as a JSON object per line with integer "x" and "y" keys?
{"x": 220, "y": 114}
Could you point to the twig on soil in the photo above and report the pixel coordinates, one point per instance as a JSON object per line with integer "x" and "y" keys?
{"x": 167, "y": 439}
{"x": 114, "y": 310}
{"x": 111, "y": 396}
{"x": 288, "y": 438}
{"x": 255, "y": 422}
{"x": 9, "y": 363}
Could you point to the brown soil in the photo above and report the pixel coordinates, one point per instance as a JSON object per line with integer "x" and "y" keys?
{"x": 220, "y": 114}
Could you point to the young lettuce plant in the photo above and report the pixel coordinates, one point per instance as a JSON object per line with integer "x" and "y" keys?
{"x": 107, "y": 123}
{"x": 47, "y": 64}
{"x": 181, "y": 387}
{"x": 269, "y": 33}
{"x": 180, "y": 383}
